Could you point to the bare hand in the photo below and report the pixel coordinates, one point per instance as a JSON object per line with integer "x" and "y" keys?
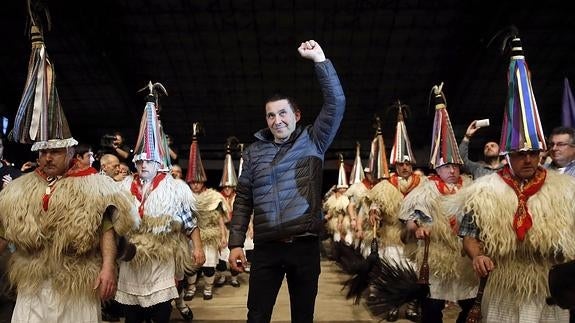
{"x": 471, "y": 129}
{"x": 374, "y": 216}
{"x": 199, "y": 256}
{"x": 237, "y": 259}
{"x": 106, "y": 283}
{"x": 6, "y": 179}
{"x": 311, "y": 50}
{"x": 422, "y": 232}
{"x": 359, "y": 233}
{"x": 482, "y": 265}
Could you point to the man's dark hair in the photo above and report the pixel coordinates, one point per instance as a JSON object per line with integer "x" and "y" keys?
{"x": 563, "y": 131}
{"x": 278, "y": 96}
{"x": 81, "y": 149}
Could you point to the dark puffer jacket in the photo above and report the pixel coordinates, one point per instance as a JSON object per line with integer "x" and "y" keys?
{"x": 281, "y": 183}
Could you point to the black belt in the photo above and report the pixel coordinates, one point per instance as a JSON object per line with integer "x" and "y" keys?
{"x": 300, "y": 238}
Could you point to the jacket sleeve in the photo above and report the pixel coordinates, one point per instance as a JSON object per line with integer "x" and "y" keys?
{"x": 470, "y": 166}
{"x": 243, "y": 205}
{"x": 327, "y": 122}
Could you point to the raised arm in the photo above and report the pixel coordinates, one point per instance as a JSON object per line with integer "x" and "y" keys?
{"x": 327, "y": 122}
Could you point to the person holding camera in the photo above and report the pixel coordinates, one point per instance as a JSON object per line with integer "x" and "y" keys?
{"x": 114, "y": 144}
{"x": 491, "y": 162}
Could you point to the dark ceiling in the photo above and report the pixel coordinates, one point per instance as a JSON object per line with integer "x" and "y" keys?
{"x": 220, "y": 59}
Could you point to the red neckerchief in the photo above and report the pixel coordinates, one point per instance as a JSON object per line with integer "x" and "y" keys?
{"x": 73, "y": 171}
{"x": 136, "y": 190}
{"x": 446, "y": 190}
{"x": 367, "y": 183}
{"x": 522, "y": 221}
{"x": 394, "y": 180}
{"x": 443, "y": 188}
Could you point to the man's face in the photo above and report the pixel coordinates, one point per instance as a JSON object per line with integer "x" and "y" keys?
{"x": 561, "y": 149}
{"x": 449, "y": 173}
{"x": 124, "y": 170}
{"x": 227, "y": 190}
{"x": 524, "y": 163}
{"x": 176, "y": 172}
{"x": 491, "y": 149}
{"x": 281, "y": 119}
{"x": 87, "y": 159}
{"x": 403, "y": 169}
{"x": 112, "y": 166}
{"x": 147, "y": 169}
{"x": 197, "y": 187}
{"x": 55, "y": 162}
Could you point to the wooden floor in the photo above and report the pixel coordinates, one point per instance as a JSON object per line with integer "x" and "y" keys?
{"x": 229, "y": 303}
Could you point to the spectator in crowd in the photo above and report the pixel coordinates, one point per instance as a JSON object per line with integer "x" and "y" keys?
{"x": 491, "y": 161}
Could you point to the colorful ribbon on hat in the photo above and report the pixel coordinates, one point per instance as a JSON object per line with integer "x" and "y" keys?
{"x": 521, "y": 125}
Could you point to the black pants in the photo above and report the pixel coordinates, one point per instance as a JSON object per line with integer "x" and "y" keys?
{"x": 159, "y": 313}
{"x": 298, "y": 261}
{"x": 431, "y": 310}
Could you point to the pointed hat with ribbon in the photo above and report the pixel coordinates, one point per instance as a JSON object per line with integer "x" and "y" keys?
{"x": 40, "y": 119}
{"x": 401, "y": 151}
{"x": 377, "y": 158}
{"x": 357, "y": 175}
{"x": 341, "y": 175}
{"x": 444, "y": 148}
{"x": 196, "y": 172}
{"x": 229, "y": 178}
{"x": 152, "y": 142}
{"x": 521, "y": 128}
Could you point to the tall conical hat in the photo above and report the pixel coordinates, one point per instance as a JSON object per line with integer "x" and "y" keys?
{"x": 341, "y": 176}
{"x": 40, "y": 119}
{"x": 521, "y": 128}
{"x": 229, "y": 177}
{"x": 196, "y": 172}
{"x": 401, "y": 151}
{"x": 444, "y": 148}
{"x": 241, "y": 166}
{"x": 152, "y": 143}
{"x": 357, "y": 175}
{"x": 377, "y": 159}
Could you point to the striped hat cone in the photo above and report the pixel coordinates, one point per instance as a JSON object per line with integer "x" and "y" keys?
{"x": 229, "y": 177}
{"x": 152, "y": 143}
{"x": 40, "y": 119}
{"x": 444, "y": 148}
{"x": 341, "y": 175}
{"x": 357, "y": 175}
{"x": 196, "y": 172}
{"x": 401, "y": 151}
{"x": 521, "y": 128}
{"x": 377, "y": 158}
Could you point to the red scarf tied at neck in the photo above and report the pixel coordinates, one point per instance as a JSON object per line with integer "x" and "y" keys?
{"x": 522, "y": 221}
{"x": 136, "y": 190}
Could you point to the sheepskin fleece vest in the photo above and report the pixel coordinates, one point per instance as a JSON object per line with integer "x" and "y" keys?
{"x": 335, "y": 208}
{"x": 211, "y": 207}
{"x": 387, "y": 199}
{"x": 521, "y": 267}
{"x": 160, "y": 235}
{"x": 61, "y": 244}
{"x": 446, "y": 259}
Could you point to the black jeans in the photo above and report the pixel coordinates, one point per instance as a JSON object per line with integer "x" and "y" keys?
{"x": 298, "y": 261}
{"x": 159, "y": 313}
{"x": 431, "y": 310}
